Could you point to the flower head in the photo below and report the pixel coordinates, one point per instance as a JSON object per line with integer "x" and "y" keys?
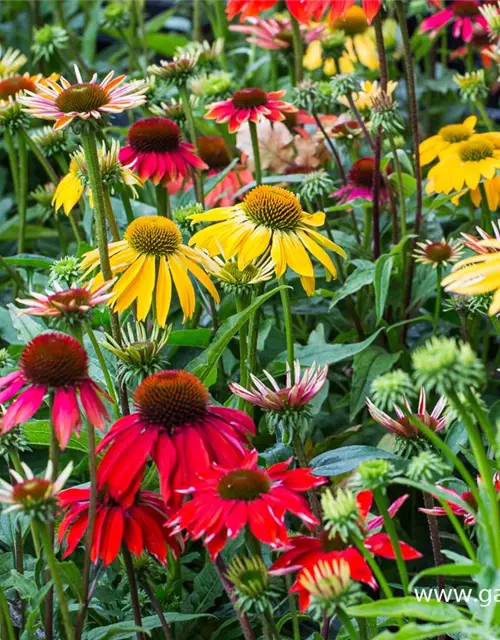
{"x": 177, "y": 71}
{"x": 448, "y": 137}
{"x": 384, "y": 113}
{"x": 32, "y": 495}
{"x": 57, "y": 363}
{"x": 360, "y": 182}
{"x": 472, "y": 86}
{"x": 375, "y": 474}
{"x": 13, "y": 440}
{"x": 232, "y": 279}
{"x": 43, "y": 195}
{"x": 148, "y": 259}
{"x": 172, "y": 416}
{"x": 249, "y": 105}
{"x": 136, "y": 521}
{"x": 344, "y": 84}
{"x": 116, "y": 15}
{"x": 173, "y": 109}
{"x": 388, "y": 388}
{"x": 302, "y": 10}
{"x": 341, "y": 514}
{"x": 491, "y": 15}
{"x": 11, "y": 61}
{"x": 427, "y": 466}
{"x": 47, "y": 41}
{"x": 181, "y": 216}
{"x": 212, "y": 87}
{"x": 251, "y": 582}
{"x": 316, "y": 184}
{"x": 156, "y": 151}
{"x": 51, "y": 141}
{"x": 245, "y": 495}
{"x": 207, "y": 54}
{"x": 438, "y": 254}
{"x": 270, "y": 220}
{"x": 275, "y": 33}
{"x": 462, "y": 14}
{"x": 65, "y": 271}
{"x": 70, "y": 305}
{"x": 88, "y": 101}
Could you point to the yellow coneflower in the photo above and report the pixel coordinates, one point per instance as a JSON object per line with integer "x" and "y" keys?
{"x": 148, "y": 259}
{"x": 11, "y": 61}
{"x": 269, "y": 221}
{"x": 448, "y": 137}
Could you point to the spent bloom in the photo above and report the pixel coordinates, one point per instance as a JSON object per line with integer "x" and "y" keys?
{"x": 177, "y": 71}
{"x": 227, "y": 499}
{"x": 89, "y": 101}
{"x": 32, "y": 495}
{"x": 172, "y": 416}
{"x": 53, "y": 363}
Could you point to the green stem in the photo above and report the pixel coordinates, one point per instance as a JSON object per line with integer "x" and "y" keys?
{"x": 348, "y": 626}
{"x": 163, "y": 202}
{"x": 372, "y": 563}
{"x": 271, "y": 625}
{"x": 484, "y": 115}
{"x": 184, "y": 95}
{"x": 439, "y": 292}
{"x": 399, "y": 173}
{"x": 23, "y": 191}
{"x": 485, "y": 210}
{"x": 5, "y": 616}
{"x": 38, "y": 153}
{"x": 197, "y": 20}
{"x": 241, "y": 304}
{"x": 293, "y": 609}
{"x": 74, "y": 227}
{"x": 367, "y": 229}
{"x": 298, "y": 50}
{"x": 11, "y": 152}
{"x": 482, "y": 418}
{"x": 111, "y": 216}
{"x": 46, "y": 538}
{"x": 256, "y": 153}
{"x": 287, "y": 315}
{"x": 126, "y": 203}
{"x": 103, "y": 365}
{"x": 383, "y": 506}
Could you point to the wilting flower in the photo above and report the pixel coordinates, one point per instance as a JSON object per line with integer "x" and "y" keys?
{"x": 155, "y": 150}
{"x": 438, "y": 254}
{"x": 231, "y": 278}
{"x": 72, "y": 304}
{"x": 251, "y": 583}
{"x": 34, "y": 496}
{"x": 360, "y": 182}
{"x": 449, "y": 137}
{"x": 227, "y": 499}
{"x": 136, "y": 521}
{"x": 464, "y": 15}
{"x": 151, "y": 256}
{"x": 270, "y": 219}
{"x": 249, "y": 105}
{"x": 403, "y": 427}
{"x": 55, "y": 363}
{"x": 275, "y": 33}
{"x": 76, "y": 181}
{"x": 288, "y": 405}
{"x": 467, "y": 497}
{"x": 304, "y": 552}
{"x": 183, "y": 433}
{"x": 11, "y": 61}
{"x": 64, "y": 102}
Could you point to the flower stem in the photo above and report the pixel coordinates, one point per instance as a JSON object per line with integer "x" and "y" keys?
{"x": 484, "y": 115}
{"x": 331, "y": 146}
{"x": 482, "y": 419}
{"x": 436, "y": 543}
{"x": 293, "y": 608}
{"x": 5, "y": 619}
{"x": 104, "y": 366}
{"x": 241, "y": 304}
{"x": 22, "y": 200}
{"x": 399, "y": 174}
{"x": 126, "y": 203}
{"x": 163, "y": 202}
{"x": 287, "y": 313}
{"x": 298, "y": 50}
{"x": 183, "y": 93}
{"x": 129, "y": 565}
{"x": 361, "y": 122}
{"x": 439, "y": 293}
{"x": 256, "y": 153}
{"x": 384, "y": 585}
{"x": 40, "y": 156}
{"x": 245, "y": 625}
{"x": 348, "y": 626}
{"x": 165, "y": 627}
{"x": 110, "y": 215}
{"x": 485, "y": 210}
{"x": 383, "y": 506}
{"x": 46, "y": 538}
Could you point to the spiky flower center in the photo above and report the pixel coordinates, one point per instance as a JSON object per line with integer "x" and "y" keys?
{"x": 171, "y": 399}
{"x": 70, "y": 299}
{"x": 31, "y": 492}
{"x": 82, "y": 98}
{"x": 154, "y": 135}
{"x": 455, "y": 133}
{"x": 438, "y": 251}
{"x": 247, "y": 98}
{"x": 361, "y": 173}
{"x": 244, "y": 484}
{"x": 411, "y": 430}
{"x": 153, "y": 235}
{"x": 354, "y": 21}
{"x": 465, "y": 8}
{"x": 213, "y": 151}
{"x": 331, "y": 541}
{"x": 11, "y": 86}
{"x": 273, "y": 207}
{"x": 476, "y": 150}
{"x": 54, "y": 360}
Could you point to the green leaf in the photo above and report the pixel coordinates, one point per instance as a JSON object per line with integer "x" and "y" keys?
{"x": 381, "y": 282}
{"x": 408, "y": 607}
{"x": 190, "y": 338}
{"x": 204, "y": 365}
{"x": 367, "y": 366}
{"x": 414, "y": 631}
{"x": 355, "y": 281}
{"x": 166, "y": 44}
{"x": 26, "y": 587}
{"x": 30, "y": 260}
{"x": 409, "y": 183}
{"x": 345, "y": 459}
{"x": 32, "y": 232}
{"x": 158, "y": 22}
{"x": 469, "y": 569}
{"x": 89, "y": 40}
{"x": 26, "y": 327}
{"x": 38, "y": 433}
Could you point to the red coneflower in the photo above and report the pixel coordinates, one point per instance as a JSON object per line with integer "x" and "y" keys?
{"x": 55, "y": 363}
{"x": 463, "y": 14}
{"x": 360, "y": 183}
{"x": 302, "y": 553}
{"x": 155, "y": 151}
{"x": 227, "y": 499}
{"x": 179, "y": 429}
{"x": 137, "y": 522}
{"x": 249, "y": 105}
{"x": 302, "y": 10}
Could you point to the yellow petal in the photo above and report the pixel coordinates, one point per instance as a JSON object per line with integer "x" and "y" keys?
{"x": 319, "y": 253}
{"x": 183, "y": 286}
{"x": 254, "y": 246}
{"x": 163, "y": 292}
{"x": 296, "y": 256}
{"x": 309, "y": 284}
{"x": 200, "y": 275}
{"x": 147, "y": 286}
{"x": 130, "y": 275}
{"x": 278, "y": 255}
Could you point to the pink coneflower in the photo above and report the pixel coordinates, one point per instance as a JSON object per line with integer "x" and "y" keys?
{"x": 225, "y": 500}
{"x": 55, "y": 363}
{"x": 463, "y": 14}
{"x": 402, "y": 426}
{"x": 176, "y": 425}
{"x": 473, "y": 243}
{"x": 360, "y": 183}
{"x": 298, "y": 391}
{"x": 276, "y": 33}
{"x": 249, "y": 105}
{"x": 64, "y": 102}
{"x": 438, "y": 253}
{"x": 72, "y": 303}
{"x": 155, "y": 151}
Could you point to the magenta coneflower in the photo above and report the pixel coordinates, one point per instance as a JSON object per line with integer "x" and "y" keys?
{"x": 55, "y": 363}
{"x": 402, "y": 426}
{"x": 175, "y": 424}
{"x": 72, "y": 303}
{"x": 64, "y": 102}
{"x": 463, "y": 14}
{"x": 276, "y": 33}
{"x": 155, "y": 151}
{"x": 297, "y": 392}
{"x": 360, "y": 183}
{"x": 249, "y": 105}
